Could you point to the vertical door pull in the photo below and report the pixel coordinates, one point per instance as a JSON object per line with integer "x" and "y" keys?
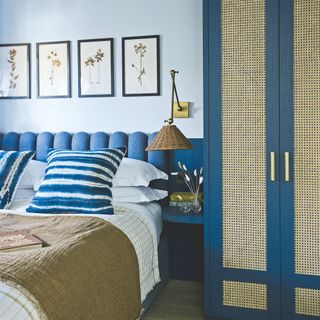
{"x": 287, "y": 166}
{"x": 272, "y": 166}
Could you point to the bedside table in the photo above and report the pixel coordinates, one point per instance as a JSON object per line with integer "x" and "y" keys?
{"x": 173, "y": 214}
{"x": 185, "y": 236}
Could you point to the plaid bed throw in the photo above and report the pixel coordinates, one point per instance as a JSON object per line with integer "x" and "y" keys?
{"x": 89, "y": 270}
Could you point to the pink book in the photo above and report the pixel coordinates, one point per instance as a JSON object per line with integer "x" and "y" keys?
{"x": 18, "y": 240}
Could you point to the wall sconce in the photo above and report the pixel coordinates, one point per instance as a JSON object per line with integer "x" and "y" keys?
{"x": 170, "y": 137}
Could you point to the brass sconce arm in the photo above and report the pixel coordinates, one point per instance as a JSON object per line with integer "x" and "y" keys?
{"x": 174, "y": 93}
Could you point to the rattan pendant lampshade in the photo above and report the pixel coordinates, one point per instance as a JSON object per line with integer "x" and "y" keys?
{"x": 170, "y": 137}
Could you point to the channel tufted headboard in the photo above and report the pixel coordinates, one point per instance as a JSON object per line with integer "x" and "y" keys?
{"x": 136, "y": 143}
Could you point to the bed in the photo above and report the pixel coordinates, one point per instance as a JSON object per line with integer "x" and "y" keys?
{"x": 141, "y": 223}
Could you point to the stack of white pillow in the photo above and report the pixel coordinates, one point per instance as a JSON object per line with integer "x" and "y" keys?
{"x": 130, "y": 184}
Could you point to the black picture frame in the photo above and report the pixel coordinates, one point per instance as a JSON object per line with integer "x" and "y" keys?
{"x": 28, "y": 76}
{"x": 111, "y": 94}
{"x": 68, "y": 82}
{"x": 124, "y": 65}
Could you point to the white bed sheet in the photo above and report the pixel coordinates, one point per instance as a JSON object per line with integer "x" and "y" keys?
{"x": 142, "y": 224}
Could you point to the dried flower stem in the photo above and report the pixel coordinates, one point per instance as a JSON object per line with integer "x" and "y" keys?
{"x": 12, "y": 61}
{"x": 193, "y": 182}
{"x": 55, "y": 63}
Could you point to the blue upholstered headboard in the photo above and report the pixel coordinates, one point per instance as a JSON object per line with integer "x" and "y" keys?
{"x": 135, "y": 142}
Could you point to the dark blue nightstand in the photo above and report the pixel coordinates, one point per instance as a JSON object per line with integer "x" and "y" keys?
{"x": 185, "y": 234}
{"x": 173, "y": 214}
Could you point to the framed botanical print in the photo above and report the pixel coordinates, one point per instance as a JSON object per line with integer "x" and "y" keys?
{"x": 15, "y": 71}
{"x": 141, "y": 66}
{"x": 53, "y": 69}
{"x": 95, "y": 68}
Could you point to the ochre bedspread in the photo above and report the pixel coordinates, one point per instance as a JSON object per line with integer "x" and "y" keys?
{"x": 89, "y": 270}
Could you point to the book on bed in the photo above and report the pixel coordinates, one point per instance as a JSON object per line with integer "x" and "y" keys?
{"x": 18, "y": 240}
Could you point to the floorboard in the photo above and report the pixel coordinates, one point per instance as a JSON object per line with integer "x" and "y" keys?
{"x": 179, "y": 300}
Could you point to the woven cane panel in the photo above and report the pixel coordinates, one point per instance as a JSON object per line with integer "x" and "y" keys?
{"x": 308, "y": 302}
{"x": 243, "y": 134}
{"x": 245, "y": 295}
{"x": 307, "y": 136}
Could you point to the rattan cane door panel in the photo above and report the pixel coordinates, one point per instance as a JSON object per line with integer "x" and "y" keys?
{"x": 307, "y": 302}
{"x": 300, "y": 126}
{"x": 243, "y": 134}
{"x": 307, "y": 136}
{"x": 306, "y": 151}
{"x": 253, "y": 295}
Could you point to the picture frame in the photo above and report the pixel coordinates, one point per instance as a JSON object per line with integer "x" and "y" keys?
{"x": 53, "y": 69}
{"x": 15, "y": 71}
{"x": 96, "y": 68}
{"x": 141, "y": 66}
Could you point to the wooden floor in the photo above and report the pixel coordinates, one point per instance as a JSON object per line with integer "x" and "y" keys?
{"x": 179, "y": 300}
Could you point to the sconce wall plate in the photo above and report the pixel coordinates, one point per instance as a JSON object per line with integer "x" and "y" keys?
{"x": 184, "y": 113}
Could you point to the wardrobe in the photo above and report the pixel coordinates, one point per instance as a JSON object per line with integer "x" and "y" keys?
{"x": 262, "y": 143}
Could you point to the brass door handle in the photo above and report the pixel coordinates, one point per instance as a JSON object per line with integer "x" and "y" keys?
{"x": 286, "y": 166}
{"x": 272, "y": 166}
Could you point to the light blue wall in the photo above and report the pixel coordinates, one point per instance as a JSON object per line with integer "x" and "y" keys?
{"x": 179, "y": 22}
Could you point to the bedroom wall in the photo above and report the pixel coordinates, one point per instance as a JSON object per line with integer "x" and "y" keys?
{"x": 179, "y": 23}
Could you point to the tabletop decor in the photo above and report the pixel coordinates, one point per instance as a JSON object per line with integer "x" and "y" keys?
{"x": 141, "y": 66}
{"x": 193, "y": 181}
{"x": 95, "y": 67}
{"x": 15, "y": 71}
{"x": 178, "y": 197}
{"x": 53, "y": 62}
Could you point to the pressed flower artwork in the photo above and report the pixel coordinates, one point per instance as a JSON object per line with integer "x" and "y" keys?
{"x": 55, "y": 63}
{"x": 140, "y": 66}
{"x": 14, "y": 71}
{"x": 95, "y": 64}
{"x": 53, "y": 69}
{"x": 141, "y": 50}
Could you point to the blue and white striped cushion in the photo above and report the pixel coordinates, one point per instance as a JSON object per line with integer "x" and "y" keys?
{"x": 12, "y": 166}
{"x": 77, "y": 182}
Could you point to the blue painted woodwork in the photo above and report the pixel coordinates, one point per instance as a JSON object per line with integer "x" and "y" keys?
{"x": 185, "y": 250}
{"x": 273, "y": 144}
{"x": 214, "y": 272}
{"x": 208, "y": 30}
{"x": 172, "y": 214}
{"x": 286, "y": 144}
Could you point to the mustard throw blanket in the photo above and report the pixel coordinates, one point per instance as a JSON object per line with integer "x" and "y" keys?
{"x": 89, "y": 270}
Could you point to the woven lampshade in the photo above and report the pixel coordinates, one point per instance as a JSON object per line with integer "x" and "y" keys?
{"x": 169, "y": 138}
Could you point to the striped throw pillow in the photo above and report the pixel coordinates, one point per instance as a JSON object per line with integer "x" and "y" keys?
{"x": 12, "y": 167}
{"x": 77, "y": 182}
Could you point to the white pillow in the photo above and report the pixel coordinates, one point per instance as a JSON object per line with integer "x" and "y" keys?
{"x": 134, "y": 172}
{"x": 137, "y": 194}
{"x": 24, "y": 194}
{"x": 33, "y": 174}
